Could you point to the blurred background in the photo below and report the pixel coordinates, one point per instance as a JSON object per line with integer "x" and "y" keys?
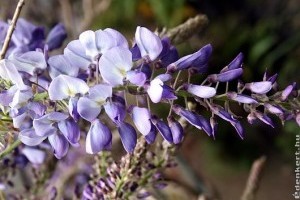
{"x": 267, "y": 32}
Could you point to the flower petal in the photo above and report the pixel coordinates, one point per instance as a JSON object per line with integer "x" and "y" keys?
{"x": 88, "y": 109}
{"x": 201, "y": 91}
{"x": 163, "y": 129}
{"x": 56, "y": 36}
{"x": 114, "y": 65}
{"x": 70, "y": 130}
{"x": 176, "y": 129}
{"x": 148, "y": 43}
{"x": 30, "y": 138}
{"x": 64, "y": 86}
{"x": 99, "y": 93}
{"x": 76, "y": 55}
{"x": 59, "y": 64}
{"x": 135, "y": 77}
{"x": 141, "y": 119}
{"x": 241, "y": 98}
{"x": 88, "y": 40}
{"x": 155, "y": 90}
{"x": 128, "y": 136}
{"x": 59, "y": 144}
{"x": 261, "y": 87}
{"x": 35, "y": 156}
{"x": 98, "y": 138}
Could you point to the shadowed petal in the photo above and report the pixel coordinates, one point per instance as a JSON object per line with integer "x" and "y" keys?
{"x": 59, "y": 64}
{"x": 229, "y": 75}
{"x": 274, "y": 109}
{"x": 72, "y": 107}
{"x": 30, "y": 138}
{"x": 56, "y": 36}
{"x": 235, "y": 63}
{"x": 176, "y": 129}
{"x": 98, "y": 138}
{"x": 35, "y": 156}
{"x": 287, "y": 91}
{"x": 88, "y": 109}
{"x": 135, "y": 77}
{"x": 128, "y": 136}
{"x": 59, "y": 144}
{"x": 241, "y": 98}
{"x": 115, "y": 111}
{"x": 163, "y": 129}
{"x": 151, "y": 136}
{"x": 70, "y": 130}
{"x": 76, "y": 55}
{"x": 29, "y": 62}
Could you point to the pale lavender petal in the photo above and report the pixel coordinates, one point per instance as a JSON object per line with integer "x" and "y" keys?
{"x": 163, "y": 129}
{"x": 274, "y": 109}
{"x": 59, "y": 64}
{"x": 119, "y": 38}
{"x": 21, "y": 97}
{"x": 56, "y": 116}
{"x": 20, "y": 120}
{"x": 36, "y": 109}
{"x": 59, "y": 144}
{"x": 76, "y": 55}
{"x": 30, "y": 138}
{"x": 201, "y": 91}
{"x": 35, "y": 156}
{"x": 64, "y": 86}
{"x": 149, "y": 43}
{"x": 70, "y": 130}
{"x": 261, "y": 87}
{"x": 114, "y": 65}
{"x": 241, "y": 98}
{"x": 141, "y": 119}
{"x": 29, "y": 62}
{"x": 99, "y": 93}
{"x": 56, "y": 36}
{"x": 88, "y": 40}
{"x": 88, "y": 109}
{"x": 72, "y": 107}
{"x": 7, "y": 96}
{"x": 98, "y": 138}
{"x": 164, "y": 77}
{"x": 128, "y": 136}
{"x": 287, "y": 91}
{"x": 137, "y": 78}
{"x": 297, "y": 118}
{"x": 43, "y": 127}
{"x": 155, "y": 90}
{"x": 8, "y": 71}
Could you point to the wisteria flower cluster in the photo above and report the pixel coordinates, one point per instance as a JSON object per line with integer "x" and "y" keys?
{"x": 47, "y": 97}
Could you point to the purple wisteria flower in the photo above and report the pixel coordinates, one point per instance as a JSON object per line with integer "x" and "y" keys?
{"x": 149, "y": 43}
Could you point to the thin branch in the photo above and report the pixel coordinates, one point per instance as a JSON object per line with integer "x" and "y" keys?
{"x": 67, "y": 15}
{"x": 9, "y": 149}
{"x": 184, "y": 31}
{"x": 11, "y": 28}
{"x": 90, "y": 14}
{"x": 254, "y": 179}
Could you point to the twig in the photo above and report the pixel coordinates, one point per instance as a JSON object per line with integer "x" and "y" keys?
{"x": 184, "y": 31}
{"x": 11, "y": 28}
{"x": 254, "y": 179}
{"x": 10, "y": 148}
{"x": 91, "y": 13}
{"x": 67, "y": 16}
